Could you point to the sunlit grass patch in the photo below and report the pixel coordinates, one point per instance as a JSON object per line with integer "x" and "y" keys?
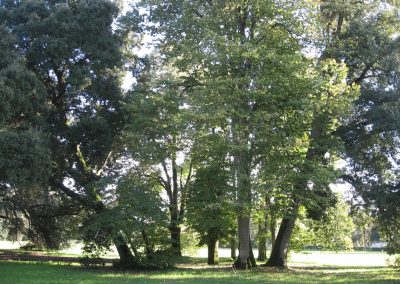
{"x": 18, "y": 272}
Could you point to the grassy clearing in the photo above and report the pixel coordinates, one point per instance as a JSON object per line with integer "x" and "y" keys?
{"x": 194, "y": 270}
{"x": 306, "y": 267}
{"x": 18, "y": 272}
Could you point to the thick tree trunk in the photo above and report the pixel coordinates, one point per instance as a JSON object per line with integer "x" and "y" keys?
{"x": 278, "y": 257}
{"x": 245, "y": 259}
{"x": 233, "y": 248}
{"x": 212, "y": 247}
{"x": 126, "y": 258}
{"x": 175, "y": 232}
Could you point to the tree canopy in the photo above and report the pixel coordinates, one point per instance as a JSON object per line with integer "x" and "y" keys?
{"x": 238, "y": 114}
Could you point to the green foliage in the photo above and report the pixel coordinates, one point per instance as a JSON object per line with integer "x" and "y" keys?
{"x": 395, "y": 262}
{"x": 333, "y": 231}
{"x": 23, "y": 146}
{"x": 371, "y": 134}
{"x": 210, "y": 210}
{"x": 138, "y": 217}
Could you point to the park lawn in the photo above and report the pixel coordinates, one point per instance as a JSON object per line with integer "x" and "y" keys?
{"x": 12, "y": 272}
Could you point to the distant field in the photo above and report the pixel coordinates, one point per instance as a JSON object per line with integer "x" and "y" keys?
{"x": 361, "y": 259}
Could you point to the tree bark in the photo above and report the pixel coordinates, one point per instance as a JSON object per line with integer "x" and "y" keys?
{"x": 126, "y": 258}
{"x": 262, "y": 240}
{"x": 212, "y": 247}
{"x": 175, "y": 233}
{"x": 245, "y": 259}
{"x": 272, "y": 230}
{"x": 233, "y": 248}
{"x": 278, "y": 257}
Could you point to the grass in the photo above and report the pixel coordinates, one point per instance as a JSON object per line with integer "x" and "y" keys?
{"x": 306, "y": 267}
{"x": 13, "y": 272}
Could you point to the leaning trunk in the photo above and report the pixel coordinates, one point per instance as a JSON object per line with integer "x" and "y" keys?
{"x": 126, "y": 258}
{"x": 278, "y": 257}
{"x": 212, "y": 246}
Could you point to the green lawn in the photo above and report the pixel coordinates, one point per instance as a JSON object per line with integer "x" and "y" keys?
{"x": 19, "y": 272}
{"x": 305, "y": 267}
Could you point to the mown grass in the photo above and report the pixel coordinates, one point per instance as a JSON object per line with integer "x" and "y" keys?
{"x": 13, "y": 272}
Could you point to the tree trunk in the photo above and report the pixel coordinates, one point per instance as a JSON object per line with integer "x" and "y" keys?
{"x": 212, "y": 246}
{"x": 272, "y": 230}
{"x": 126, "y": 258}
{"x": 278, "y": 257}
{"x": 245, "y": 259}
{"x": 233, "y": 248}
{"x": 175, "y": 232}
{"x": 262, "y": 240}
{"x": 262, "y": 250}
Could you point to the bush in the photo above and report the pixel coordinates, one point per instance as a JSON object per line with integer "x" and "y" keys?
{"x": 394, "y": 262}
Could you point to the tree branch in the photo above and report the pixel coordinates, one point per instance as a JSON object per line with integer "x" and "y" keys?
{"x": 168, "y": 188}
{"x": 362, "y": 75}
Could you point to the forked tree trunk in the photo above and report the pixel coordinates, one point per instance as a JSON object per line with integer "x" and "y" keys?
{"x": 278, "y": 257}
{"x": 212, "y": 246}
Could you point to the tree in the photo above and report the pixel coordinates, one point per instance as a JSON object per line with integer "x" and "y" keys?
{"x": 158, "y": 137}
{"x": 24, "y": 157}
{"x": 371, "y": 134}
{"x": 356, "y": 34}
{"x": 139, "y": 212}
{"x": 333, "y": 231}
{"x": 240, "y": 70}
{"x": 71, "y": 48}
{"x": 210, "y": 209}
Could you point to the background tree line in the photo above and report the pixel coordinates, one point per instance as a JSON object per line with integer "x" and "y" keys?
{"x": 237, "y": 119}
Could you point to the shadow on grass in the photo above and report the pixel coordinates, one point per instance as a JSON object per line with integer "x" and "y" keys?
{"x": 35, "y": 272}
{"x": 333, "y": 268}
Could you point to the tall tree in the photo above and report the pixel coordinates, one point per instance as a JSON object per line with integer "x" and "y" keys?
{"x": 372, "y": 133}
{"x": 158, "y": 136}
{"x": 24, "y": 157}
{"x": 357, "y": 34}
{"x": 210, "y": 206}
{"x": 71, "y": 48}
{"x": 245, "y": 76}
